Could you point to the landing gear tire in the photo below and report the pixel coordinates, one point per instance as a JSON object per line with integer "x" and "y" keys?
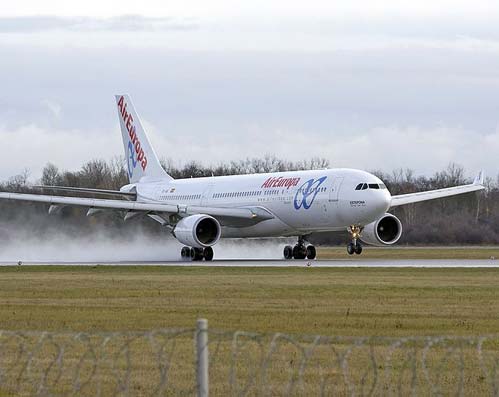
{"x": 208, "y": 254}
{"x": 311, "y": 252}
{"x": 299, "y": 252}
{"x": 355, "y": 247}
{"x": 197, "y": 254}
{"x": 185, "y": 253}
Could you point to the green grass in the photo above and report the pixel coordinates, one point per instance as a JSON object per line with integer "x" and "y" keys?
{"x": 308, "y": 300}
{"x": 328, "y": 301}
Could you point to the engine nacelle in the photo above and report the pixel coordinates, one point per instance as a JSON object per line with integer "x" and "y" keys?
{"x": 198, "y": 231}
{"x": 385, "y": 231}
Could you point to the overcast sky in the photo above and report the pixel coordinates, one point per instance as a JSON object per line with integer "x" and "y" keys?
{"x": 371, "y": 85}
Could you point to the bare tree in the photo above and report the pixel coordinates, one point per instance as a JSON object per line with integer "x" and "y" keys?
{"x": 19, "y": 182}
{"x": 50, "y": 175}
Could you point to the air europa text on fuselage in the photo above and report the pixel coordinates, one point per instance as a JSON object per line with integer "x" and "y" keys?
{"x": 281, "y": 182}
{"x": 128, "y": 121}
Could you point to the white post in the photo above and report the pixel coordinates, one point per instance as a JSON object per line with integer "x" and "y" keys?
{"x": 202, "y": 357}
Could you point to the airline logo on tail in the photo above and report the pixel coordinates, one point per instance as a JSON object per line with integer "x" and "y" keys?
{"x": 135, "y": 153}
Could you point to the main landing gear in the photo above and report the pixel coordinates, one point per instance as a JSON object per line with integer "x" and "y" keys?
{"x": 354, "y": 247}
{"x": 197, "y": 254}
{"x": 300, "y": 250}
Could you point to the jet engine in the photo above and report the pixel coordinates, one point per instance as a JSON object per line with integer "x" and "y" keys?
{"x": 198, "y": 231}
{"x": 385, "y": 231}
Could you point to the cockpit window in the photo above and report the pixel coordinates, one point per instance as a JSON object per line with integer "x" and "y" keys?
{"x": 364, "y": 186}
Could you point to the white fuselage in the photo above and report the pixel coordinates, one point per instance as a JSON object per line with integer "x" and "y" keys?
{"x": 301, "y": 202}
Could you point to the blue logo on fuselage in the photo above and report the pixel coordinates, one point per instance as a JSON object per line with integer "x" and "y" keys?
{"x": 307, "y": 192}
{"x": 131, "y": 160}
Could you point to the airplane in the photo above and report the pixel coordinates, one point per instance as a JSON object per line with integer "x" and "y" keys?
{"x": 201, "y": 211}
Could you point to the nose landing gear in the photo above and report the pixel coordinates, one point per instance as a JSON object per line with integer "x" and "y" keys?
{"x": 355, "y": 247}
{"x": 300, "y": 250}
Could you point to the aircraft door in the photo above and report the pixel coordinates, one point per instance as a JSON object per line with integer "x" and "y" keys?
{"x": 335, "y": 189}
{"x": 331, "y": 205}
{"x": 206, "y": 197}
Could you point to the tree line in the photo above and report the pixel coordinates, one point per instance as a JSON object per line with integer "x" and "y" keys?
{"x": 468, "y": 219}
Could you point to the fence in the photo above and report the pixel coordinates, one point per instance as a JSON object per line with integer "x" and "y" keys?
{"x": 201, "y": 360}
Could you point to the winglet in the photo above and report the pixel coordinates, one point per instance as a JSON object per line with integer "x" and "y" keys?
{"x": 479, "y": 179}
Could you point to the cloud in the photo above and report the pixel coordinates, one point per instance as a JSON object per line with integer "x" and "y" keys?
{"x": 423, "y": 149}
{"x": 123, "y": 23}
{"x": 53, "y": 107}
{"x": 31, "y": 147}
{"x": 326, "y": 32}
{"x": 376, "y": 109}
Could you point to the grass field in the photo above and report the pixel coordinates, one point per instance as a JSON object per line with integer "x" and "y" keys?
{"x": 327, "y": 301}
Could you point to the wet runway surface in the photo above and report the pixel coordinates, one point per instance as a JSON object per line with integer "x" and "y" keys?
{"x": 424, "y": 263}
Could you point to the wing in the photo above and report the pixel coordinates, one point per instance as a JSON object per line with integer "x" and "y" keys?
{"x": 87, "y": 190}
{"x": 225, "y": 215}
{"x": 439, "y": 193}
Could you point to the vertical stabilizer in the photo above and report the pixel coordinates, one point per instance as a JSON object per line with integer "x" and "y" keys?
{"x": 140, "y": 156}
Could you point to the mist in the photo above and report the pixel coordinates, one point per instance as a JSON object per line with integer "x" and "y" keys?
{"x": 107, "y": 247}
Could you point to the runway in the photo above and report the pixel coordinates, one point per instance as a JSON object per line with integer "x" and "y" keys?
{"x": 259, "y": 263}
